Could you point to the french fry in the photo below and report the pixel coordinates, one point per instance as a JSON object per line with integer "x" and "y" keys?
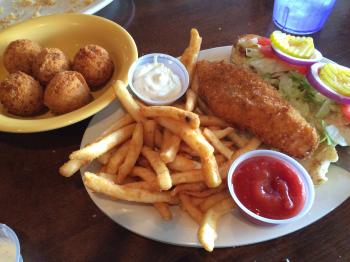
{"x": 102, "y": 185}
{"x": 170, "y": 146}
{"x": 163, "y": 175}
{"x": 143, "y": 173}
{"x": 125, "y": 120}
{"x": 164, "y": 210}
{"x": 182, "y": 163}
{"x": 117, "y": 159}
{"x": 207, "y": 192}
{"x": 220, "y": 159}
{"x": 187, "y": 177}
{"x": 109, "y": 177}
{"x": 203, "y": 107}
{"x": 190, "y": 55}
{"x": 191, "y": 98}
{"x": 94, "y": 150}
{"x": 196, "y": 141}
{"x": 253, "y": 143}
{"x": 178, "y": 114}
{"x": 212, "y": 200}
{"x": 195, "y": 84}
{"x": 227, "y": 143}
{"x": 207, "y": 231}
{"x": 189, "y": 187}
{"x": 211, "y": 171}
{"x": 192, "y": 138}
{"x": 190, "y": 208}
{"x": 127, "y": 101}
{"x": 218, "y": 145}
{"x": 70, "y": 167}
{"x": 186, "y": 149}
{"x": 197, "y": 200}
{"x": 150, "y": 186}
{"x": 212, "y": 121}
{"x": 143, "y": 162}
{"x": 104, "y": 158}
{"x": 222, "y": 132}
{"x": 238, "y": 140}
{"x": 149, "y": 128}
{"x": 134, "y": 150}
{"x": 198, "y": 111}
{"x": 158, "y": 137}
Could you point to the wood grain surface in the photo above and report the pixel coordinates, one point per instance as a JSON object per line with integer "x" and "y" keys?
{"x": 55, "y": 218}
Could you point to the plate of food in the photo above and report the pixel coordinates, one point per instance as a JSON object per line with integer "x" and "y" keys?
{"x": 12, "y": 12}
{"x": 139, "y": 161}
{"x": 84, "y": 53}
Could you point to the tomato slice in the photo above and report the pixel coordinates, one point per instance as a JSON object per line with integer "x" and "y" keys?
{"x": 264, "y": 41}
{"x": 267, "y": 51}
{"x": 346, "y": 111}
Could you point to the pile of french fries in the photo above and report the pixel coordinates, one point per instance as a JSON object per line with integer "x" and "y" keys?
{"x": 167, "y": 155}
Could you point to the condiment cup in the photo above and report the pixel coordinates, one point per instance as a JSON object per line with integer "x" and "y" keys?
{"x": 293, "y": 164}
{"x": 171, "y": 62}
{"x": 7, "y": 234}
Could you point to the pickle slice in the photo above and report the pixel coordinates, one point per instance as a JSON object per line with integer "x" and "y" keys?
{"x": 336, "y": 77}
{"x": 297, "y": 46}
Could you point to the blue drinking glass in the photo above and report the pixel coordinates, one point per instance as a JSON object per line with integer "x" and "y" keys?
{"x": 301, "y": 17}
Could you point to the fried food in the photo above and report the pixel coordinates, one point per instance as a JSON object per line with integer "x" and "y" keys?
{"x": 207, "y": 231}
{"x": 241, "y": 98}
{"x": 102, "y": 185}
{"x": 95, "y": 64}
{"x": 48, "y": 63}
{"x": 21, "y": 94}
{"x": 19, "y": 55}
{"x": 66, "y": 92}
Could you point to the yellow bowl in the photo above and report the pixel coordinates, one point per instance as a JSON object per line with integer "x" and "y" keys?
{"x": 69, "y": 32}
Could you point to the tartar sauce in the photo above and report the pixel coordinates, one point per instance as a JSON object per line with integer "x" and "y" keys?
{"x": 156, "y": 81}
{"x": 7, "y": 250}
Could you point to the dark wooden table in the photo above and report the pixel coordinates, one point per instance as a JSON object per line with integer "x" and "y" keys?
{"x": 55, "y": 218}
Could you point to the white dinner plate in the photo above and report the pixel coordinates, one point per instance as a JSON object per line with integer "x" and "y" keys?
{"x": 233, "y": 229}
{"x": 24, "y": 12}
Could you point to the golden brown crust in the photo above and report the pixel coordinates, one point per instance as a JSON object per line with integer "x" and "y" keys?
{"x": 95, "y": 64}
{"x": 243, "y": 99}
{"x": 66, "y": 92}
{"x": 19, "y": 56}
{"x": 21, "y": 94}
{"x": 48, "y": 63}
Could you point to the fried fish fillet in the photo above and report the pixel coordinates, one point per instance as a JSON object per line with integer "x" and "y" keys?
{"x": 243, "y": 99}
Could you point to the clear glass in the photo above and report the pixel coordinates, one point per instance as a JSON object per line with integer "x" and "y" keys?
{"x": 301, "y": 17}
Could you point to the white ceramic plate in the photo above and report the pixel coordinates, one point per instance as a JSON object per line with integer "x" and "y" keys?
{"x": 233, "y": 229}
{"x": 24, "y": 12}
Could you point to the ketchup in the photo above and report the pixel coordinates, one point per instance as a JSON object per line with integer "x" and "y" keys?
{"x": 269, "y": 187}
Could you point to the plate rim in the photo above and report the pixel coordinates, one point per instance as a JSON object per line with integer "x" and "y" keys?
{"x": 195, "y": 244}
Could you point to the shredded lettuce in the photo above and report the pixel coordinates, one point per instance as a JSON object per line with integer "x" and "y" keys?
{"x": 266, "y": 66}
{"x": 334, "y": 133}
{"x": 324, "y": 109}
{"x": 253, "y": 53}
{"x": 247, "y": 43}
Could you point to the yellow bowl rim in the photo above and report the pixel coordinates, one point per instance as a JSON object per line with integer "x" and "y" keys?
{"x": 13, "y": 125}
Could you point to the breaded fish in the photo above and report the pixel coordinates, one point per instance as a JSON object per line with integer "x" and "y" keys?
{"x": 243, "y": 99}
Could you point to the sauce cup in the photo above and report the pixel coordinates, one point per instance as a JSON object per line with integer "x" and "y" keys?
{"x": 291, "y": 163}
{"x": 170, "y": 62}
{"x": 9, "y": 239}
